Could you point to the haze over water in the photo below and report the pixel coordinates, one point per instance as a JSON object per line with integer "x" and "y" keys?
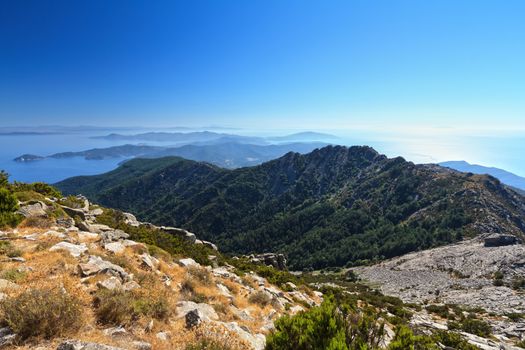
{"x": 499, "y": 151}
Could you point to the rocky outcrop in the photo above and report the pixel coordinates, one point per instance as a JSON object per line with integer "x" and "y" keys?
{"x": 456, "y": 274}
{"x": 277, "y": 261}
{"x": 498, "y": 240}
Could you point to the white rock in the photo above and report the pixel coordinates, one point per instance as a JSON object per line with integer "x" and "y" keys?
{"x": 115, "y": 247}
{"x": 206, "y": 312}
{"x": 73, "y": 249}
{"x": 188, "y": 262}
{"x": 110, "y": 283}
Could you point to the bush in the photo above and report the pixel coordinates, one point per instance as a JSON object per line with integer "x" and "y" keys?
{"x": 118, "y": 307}
{"x": 42, "y": 313}
{"x": 201, "y": 275}
{"x": 472, "y": 326}
{"x": 8, "y": 207}
{"x": 518, "y": 283}
{"x": 38, "y": 187}
{"x": 326, "y": 327}
{"x": 260, "y": 298}
{"x": 72, "y": 202}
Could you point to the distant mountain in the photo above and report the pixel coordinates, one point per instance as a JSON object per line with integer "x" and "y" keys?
{"x": 329, "y": 207}
{"x": 208, "y": 137}
{"x": 227, "y": 155}
{"x": 180, "y": 137}
{"x": 504, "y": 176}
{"x": 304, "y": 136}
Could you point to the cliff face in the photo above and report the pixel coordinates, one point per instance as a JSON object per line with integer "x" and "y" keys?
{"x": 329, "y": 207}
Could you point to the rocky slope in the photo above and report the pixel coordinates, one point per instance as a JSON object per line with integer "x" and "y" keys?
{"x": 482, "y": 277}
{"x": 128, "y": 295}
{"x": 330, "y": 207}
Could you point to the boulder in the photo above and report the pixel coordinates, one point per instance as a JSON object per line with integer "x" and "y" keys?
{"x": 164, "y": 336}
{"x": 36, "y": 209}
{"x": 96, "y": 265}
{"x": 84, "y": 236}
{"x": 110, "y": 283}
{"x": 498, "y": 240}
{"x": 141, "y": 345}
{"x": 206, "y": 312}
{"x": 96, "y": 212}
{"x": 72, "y": 212}
{"x": 278, "y": 261}
{"x": 210, "y": 245}
{"x": 131, "y": 220}
{"x": 256, "y": 341}
{"x": 113, "y": 235}
{"x": 115, "y": 247}
{"x": 148, "y": 261}
{"x": 131, "y": 285}
{"x": 73, "y": 249}
{"x": 188, "y": 262}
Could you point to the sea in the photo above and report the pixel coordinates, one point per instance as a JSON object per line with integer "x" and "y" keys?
{"x": 504, "y": 152}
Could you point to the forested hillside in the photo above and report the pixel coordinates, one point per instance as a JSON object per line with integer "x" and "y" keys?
{"x": 331, "y": 207}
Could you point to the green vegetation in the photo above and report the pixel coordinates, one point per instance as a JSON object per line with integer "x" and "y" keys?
{"x": 41, "y": 313}
{"x": 332, "y": 207}
{"x": 8, "y": 207}
{"x": 471, "y": 325}
{"x": 340, "y": 324}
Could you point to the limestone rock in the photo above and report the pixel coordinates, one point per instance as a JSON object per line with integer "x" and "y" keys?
{"x": 131, "y": 220}
{"x": 115, "y": 247}
{"x": 110, "y": 283}
{"x": 278, "y": 261}
{"x": 37, "y": 209}
{"x": 73, "y": 249}
{"x": 205, "y": 311}
{"x": 188, "y": 262}
{"x": 96, "y": 265}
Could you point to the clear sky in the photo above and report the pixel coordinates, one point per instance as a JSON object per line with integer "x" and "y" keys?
{"x": 313, "y": 64}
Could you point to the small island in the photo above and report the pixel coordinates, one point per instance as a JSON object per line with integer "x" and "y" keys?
{"x": 28, "y": 158}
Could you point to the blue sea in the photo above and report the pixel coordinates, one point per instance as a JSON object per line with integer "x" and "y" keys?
{"x": 505, "y": 152}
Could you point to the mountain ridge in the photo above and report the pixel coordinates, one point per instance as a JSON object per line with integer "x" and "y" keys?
{"x": 329, "y": 207}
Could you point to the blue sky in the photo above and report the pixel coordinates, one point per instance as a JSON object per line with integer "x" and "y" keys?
{"x": 392, "y": 64}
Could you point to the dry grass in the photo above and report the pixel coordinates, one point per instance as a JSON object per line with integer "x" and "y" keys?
{"x": 43, "y": 312}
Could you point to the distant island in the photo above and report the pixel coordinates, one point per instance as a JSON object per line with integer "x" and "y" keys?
{"x": 227, "y": 154}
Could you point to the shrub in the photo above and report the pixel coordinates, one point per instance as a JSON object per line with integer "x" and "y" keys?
{"x": 113, "y": 307}
{"x": 260, "y": 298}
{"x": 72, "y": 202}
{"x": 42, "y": 313}
{"x": 5, "y": 247}
{"x": 118, "y": 307}
{"x": 13, "y": 275}
{"x": 472, "y": 326}
{"x": 8, "y": 207}
{"x": 326, "y": 327}
{"x": 38, "y": 187}
{"x": 518, "y": 283}
{"x": 201, "y": 275}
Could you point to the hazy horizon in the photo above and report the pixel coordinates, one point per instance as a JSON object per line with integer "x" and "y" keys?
{"x": 430, "y": 81}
